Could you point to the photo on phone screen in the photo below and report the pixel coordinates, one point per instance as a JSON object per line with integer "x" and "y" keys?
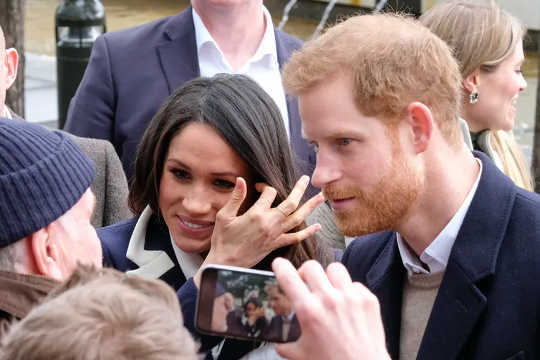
{"x": 246, "y": 304}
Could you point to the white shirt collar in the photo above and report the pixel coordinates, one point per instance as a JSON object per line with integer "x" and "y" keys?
{"x": 189, "y": 263}
{"x": 7, "y": 113}
{"x": 206, "y": 43}
{"x": 436, "y": 255}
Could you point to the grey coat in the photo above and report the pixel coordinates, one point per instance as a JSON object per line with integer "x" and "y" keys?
{"x": 110, "y": 185}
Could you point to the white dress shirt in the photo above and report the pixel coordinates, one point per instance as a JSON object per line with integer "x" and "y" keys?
{"x": 436, "y": 255}
{"x": 263, "y": 67}
{"x": 189, "y": 263}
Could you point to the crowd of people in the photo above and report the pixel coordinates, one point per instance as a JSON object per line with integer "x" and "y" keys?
{"x": 226, "y": 129}
{"x": 264, "y": 316}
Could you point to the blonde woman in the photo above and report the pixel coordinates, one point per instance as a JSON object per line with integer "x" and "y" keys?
{"x": 488, "y": 44}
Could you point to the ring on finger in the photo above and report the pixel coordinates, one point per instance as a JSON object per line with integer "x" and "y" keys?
{"x": 282, "y": 211}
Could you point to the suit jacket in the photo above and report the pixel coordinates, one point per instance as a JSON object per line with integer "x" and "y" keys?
{"x": 488, "y": 304}
{"x": 130, "y": 74}
{"x": 109, "y": 185}
{"x": 146, "y": 251}
{"x": 275, "y": 329}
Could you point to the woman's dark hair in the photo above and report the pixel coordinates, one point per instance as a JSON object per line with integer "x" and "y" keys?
{"x": 249, "y": 121}
{"x": 253, "y": 300}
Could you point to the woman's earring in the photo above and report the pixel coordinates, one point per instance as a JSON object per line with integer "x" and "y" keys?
{"x": 473, "y": 99}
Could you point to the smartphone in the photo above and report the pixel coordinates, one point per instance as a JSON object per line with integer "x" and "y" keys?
{"x": 244, "y": 304}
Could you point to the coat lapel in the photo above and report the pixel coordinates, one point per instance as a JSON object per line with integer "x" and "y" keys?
{"x": 178, "y": 53}
{"x": 151, "y": 263}
{"x": 385, "y": 280}
{"x": 461, "y": 299}
{"x": 151, "y": 250}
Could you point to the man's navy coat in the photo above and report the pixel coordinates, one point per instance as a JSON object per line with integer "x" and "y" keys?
{"x": 130, "y": 74}
{"x": 488, "y": 305}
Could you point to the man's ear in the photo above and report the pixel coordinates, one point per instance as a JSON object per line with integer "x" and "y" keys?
{"x": 420, "y": 120}
{"x": 45, "y": 253}
{"x": 12, "y": 64}
{"x": 472, "y": 81}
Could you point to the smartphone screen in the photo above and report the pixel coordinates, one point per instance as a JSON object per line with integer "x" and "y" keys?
{"x": 244, "y": 304}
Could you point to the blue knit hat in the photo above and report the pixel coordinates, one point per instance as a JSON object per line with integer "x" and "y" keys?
{"x": 42, "y": 175}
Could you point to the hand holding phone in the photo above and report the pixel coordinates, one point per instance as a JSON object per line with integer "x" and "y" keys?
{"x": 337, "y": 315}
{"x": 245, "y": 304}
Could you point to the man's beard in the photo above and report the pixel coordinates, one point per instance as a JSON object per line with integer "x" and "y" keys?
{"x": 383, "y": 206}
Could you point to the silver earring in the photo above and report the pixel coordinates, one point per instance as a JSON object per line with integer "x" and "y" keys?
{"x": 473, "y": 99}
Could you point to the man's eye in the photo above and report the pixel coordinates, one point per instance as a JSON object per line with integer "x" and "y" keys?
{"x": 224, "y": 184}
{"x": 314, "y": 146}
{"x": 344, "y": 142}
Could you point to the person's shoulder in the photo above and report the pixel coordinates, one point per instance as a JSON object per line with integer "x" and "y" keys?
{"x": 526, "y": 211}
{"x": 367, "y": 244}
{"x": 117, "y": 234}
{"x": 115, "y": 242}
{"x": 288, "y": 40}
{"x": 363, "y": 251}
{"x": 91, "y": 145}
{"x": 530, "y": 198}
{"x": 147, "y": 32}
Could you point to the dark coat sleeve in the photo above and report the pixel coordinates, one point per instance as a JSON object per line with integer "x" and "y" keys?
{"x": 91, "y": 111}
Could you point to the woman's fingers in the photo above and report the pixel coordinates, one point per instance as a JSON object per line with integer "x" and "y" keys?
{"x": 296, "y": 237}
{"x": 238, "y": 195}
{"x": 268, "y": 195}
{"x": 289, "y": 205}
{"x": 297, "y": 217}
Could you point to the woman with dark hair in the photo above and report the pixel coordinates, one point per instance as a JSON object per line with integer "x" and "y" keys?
{"x": 248, "y": 321}
{"x": 255, "y": 320}
{"x": 210, "y": 148}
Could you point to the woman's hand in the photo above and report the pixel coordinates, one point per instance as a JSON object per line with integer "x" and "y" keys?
{"x": 246, "y": 239}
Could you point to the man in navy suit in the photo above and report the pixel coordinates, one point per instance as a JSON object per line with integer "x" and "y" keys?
{"x": 131, "y": 72}
{"x": 453, "y": 255}
{"x": 284, "y": 325}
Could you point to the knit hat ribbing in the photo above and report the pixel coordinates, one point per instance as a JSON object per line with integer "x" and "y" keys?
{"x": 42, "y": 175}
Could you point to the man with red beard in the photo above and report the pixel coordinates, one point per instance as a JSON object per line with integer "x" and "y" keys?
{"x": 453, "y": 251}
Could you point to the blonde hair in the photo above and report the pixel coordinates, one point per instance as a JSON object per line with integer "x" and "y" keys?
{"x": 482, "y": 35}
{"x": 103, "y": 315}
{"x": 512, "y": 159}
{"x": 392, "y": 59}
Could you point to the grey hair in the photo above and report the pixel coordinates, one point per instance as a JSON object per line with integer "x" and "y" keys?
{"x": 103, "y": 315}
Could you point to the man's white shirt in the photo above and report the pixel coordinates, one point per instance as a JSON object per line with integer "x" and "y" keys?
{"x": 436, "y": 255}
{"x": 263, "y": 67}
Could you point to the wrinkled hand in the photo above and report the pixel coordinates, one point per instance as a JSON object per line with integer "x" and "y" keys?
{"x": 246, "y": 239}
{"x": 336, "y": 315}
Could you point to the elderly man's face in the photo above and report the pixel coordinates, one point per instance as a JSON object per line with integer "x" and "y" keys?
{"x": 75, "y": 238}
